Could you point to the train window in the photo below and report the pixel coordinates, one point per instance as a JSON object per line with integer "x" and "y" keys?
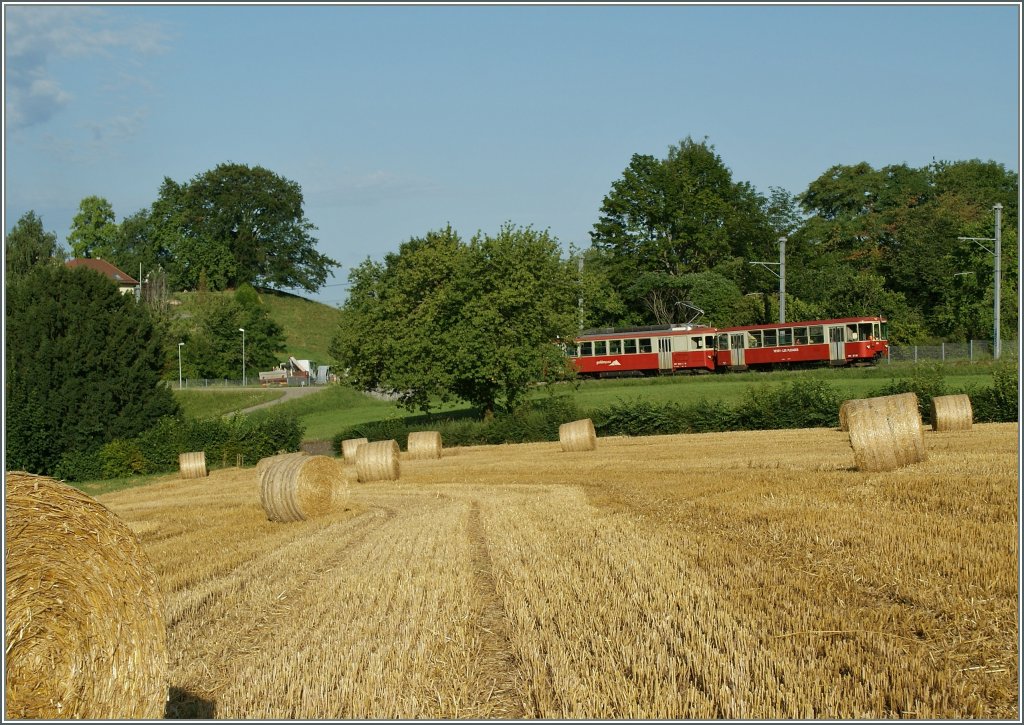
{"x": 885, "y": 330}
{"x": 600, "y": 347}
{"x": 864, "y": 330}
{"x": 876, "y": 333}
{"x": 786, "y": 336}
{"x": 835, "y": 334}
{"x": 723, "y": 341}
{"x": 586, "y": 349}
{"x": 645, "y": 344}
{"x": 851, "y": 333}
{"x": 697, "y": 342}
{"x": 615, "y": 347}
{"x": 770, "y": 338}
{"x": 571, "y": 351}
{"x": 754, "y": 338}
{"x": 709, "y": 341}
{"x": 629, "y": 346}
{"x": 817, "y": 334}
{"x": 800, "y": 335}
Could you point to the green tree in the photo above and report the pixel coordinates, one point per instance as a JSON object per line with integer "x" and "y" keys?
{"x": 28, "y": 244}
{"x": 213, "y": 338}
{"x": 683, "y": 214}
{"x": 241, "y": 225}
{"x": 83, "y": 366}
{"x": 93, "y": 230}
{"x": 444, "y": 319}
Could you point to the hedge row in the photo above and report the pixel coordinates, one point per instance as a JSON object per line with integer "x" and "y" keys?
{"x": 157, "y": 449}
{"x": 799, "y": 404}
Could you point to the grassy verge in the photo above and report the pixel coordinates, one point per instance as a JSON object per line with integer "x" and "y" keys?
{"x": 211, "y": 403}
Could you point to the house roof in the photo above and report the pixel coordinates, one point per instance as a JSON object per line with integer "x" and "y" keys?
{"x": 105, "y": 268}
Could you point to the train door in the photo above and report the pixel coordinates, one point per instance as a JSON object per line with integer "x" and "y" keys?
{"x": 665, "y": 354}
{"x": 836, "y": 346}
{"x": 736, "y": 344}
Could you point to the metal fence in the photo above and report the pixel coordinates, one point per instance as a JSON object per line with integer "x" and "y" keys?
{"x": 971, "y": 351}
{"x": 192, "y": 383}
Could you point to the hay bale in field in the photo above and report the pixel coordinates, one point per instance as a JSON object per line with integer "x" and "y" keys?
{"x": 578, "y": 435}
{"x": 378, "y": 461}
{"x": 844, "y": 409}
{"x": 192, "y": 465}
{"x": 84, "y": 625}
{"x": 424, "y": 444}
{"x": 298, "y": 486}
{"x": 885, "y": 432}
{"x": 952, "y": 412}
{"x": 349, "y": 448}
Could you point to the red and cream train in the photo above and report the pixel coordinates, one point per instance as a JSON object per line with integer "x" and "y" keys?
{"x": 699, "y": 348}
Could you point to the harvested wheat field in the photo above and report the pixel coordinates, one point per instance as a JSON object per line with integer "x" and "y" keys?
{"x": 736, "y": 575}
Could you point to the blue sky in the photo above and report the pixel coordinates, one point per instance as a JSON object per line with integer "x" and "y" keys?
{"x": 397, "y": 120}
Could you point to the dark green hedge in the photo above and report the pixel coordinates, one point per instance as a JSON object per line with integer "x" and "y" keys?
{"x": 157, "y": 449}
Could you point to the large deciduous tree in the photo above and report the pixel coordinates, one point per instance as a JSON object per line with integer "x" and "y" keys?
{"x": 674, "y": 216}
{"x": 240, "y": 225}
{"x": 28, "y": 245}
{"x": 94, "y": 228}
{"x": 443, "y": 319}
{"x": 84, "y": 364}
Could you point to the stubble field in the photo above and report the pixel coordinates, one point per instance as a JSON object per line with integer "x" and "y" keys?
{"x": 733, "y": 575}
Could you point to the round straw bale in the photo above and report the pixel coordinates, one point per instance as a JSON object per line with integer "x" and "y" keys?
{"x": 578, "y": 435}
{"x": 349, "y": 448}
{"x": 192, "y": 465}
{"x": 424, "y": 444}
{"x": 298, "y": 486}
{"x": 885, "y": 432}
{"x": 84, "y": 625}
{"x": 378, "y": 461}
{"x": 952, "y": 412}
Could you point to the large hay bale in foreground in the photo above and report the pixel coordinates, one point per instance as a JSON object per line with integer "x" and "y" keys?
{"x": 844, "y": 409}
{"x": 378, "y": 461}
{"x": 192, "y": 465}
{"x": 349, "y": 448}
{"x": 952, "y": 412}
{"x": 298, "y": 486}
{"x": 578, "y": 435}
{"x": 84, "y": 625}
{"x": 885, "y": 432}
{"x": 424, "y": 444}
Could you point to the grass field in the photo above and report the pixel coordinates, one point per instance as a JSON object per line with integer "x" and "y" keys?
{"x": 728, "y": 575}
{"x": 338, "y": 407}
{"x": 213, "y": 402}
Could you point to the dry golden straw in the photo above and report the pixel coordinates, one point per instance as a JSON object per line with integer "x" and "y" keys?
{"x": 84, "y": 624}
{"x": 192, "y": 465}
{"x": 298, "y": 486}
{"x": 378, "y": 461}
{"x": 578, "y": 435}
{"x": 952, "y": 412}
{"x": 885, "y": 432}
{"x": 349, "y": 448}
{"x": 424, "y": 444}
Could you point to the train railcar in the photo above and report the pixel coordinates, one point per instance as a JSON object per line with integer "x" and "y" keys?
{"x": 700, "y": 348}
{"x": 843, "y": 341}
{"x": 644, "y": 350}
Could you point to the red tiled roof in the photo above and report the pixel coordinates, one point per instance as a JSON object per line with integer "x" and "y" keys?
{"x": 105, "y": 268}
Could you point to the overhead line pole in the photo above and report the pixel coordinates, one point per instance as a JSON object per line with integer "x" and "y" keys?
{"x": 781, "y": 274}
{"x": 998, "y": 254}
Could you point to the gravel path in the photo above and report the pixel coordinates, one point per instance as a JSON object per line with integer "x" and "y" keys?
{"x": 289, "y": 394}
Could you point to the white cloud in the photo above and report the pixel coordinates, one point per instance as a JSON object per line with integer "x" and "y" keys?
{"x": 36, "y": 36}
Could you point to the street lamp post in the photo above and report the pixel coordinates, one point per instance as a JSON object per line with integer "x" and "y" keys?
{"x": 179, "y": 364}
{"x": 242, "y": 330}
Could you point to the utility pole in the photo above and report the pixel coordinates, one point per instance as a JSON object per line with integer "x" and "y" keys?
{"x": 781, "y": 274}
{"x": 998, "y": 254}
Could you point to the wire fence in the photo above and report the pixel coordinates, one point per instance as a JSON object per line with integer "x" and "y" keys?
{"x": 971, "y": 351}
{"x": 194, "y": 383}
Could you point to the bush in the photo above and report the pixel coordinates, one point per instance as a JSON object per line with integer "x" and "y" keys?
{"x": 640, "y": 418}
{"x": 926, "y": 381}
{"x": 121, "y": 458}
{"x": 998, "y": 404}
{"x": 79, "y": 466}
{"x": 799, "y": 404}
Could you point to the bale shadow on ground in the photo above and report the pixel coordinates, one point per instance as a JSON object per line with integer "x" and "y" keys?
{"x": 185, "y": 705}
